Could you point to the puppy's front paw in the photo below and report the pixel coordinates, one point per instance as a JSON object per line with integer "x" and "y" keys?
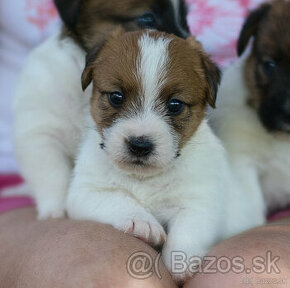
{"x": 150, "y": 232}
{"x": 50, "y": 212}
{"x": 183, "y": 260}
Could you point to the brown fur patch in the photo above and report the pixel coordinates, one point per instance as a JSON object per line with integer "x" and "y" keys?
{"x": 115, "y": 69}
{"x": 187, "y": 81}
{"x": 254, "y": 98}
{"x": 89, "y": 22}
{"x": 97, "y": 18}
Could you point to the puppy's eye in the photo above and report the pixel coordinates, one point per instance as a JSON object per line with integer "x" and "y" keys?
{"x": 269, "y": 67}
{"x": 175, "y": 107}
{"x": 116, "y": 99}
{"x": 147, "y": 20}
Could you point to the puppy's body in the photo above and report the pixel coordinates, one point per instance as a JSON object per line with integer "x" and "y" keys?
{"x": 50, "y": 109}
{"x": 261, "y": 159}
{"x": 253, "y": 115}
{"x": 50, "y": 105}
{"x": 183, "y": 182}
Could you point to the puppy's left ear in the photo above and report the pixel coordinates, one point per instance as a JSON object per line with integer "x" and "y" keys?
{"x": 87, "y": 76}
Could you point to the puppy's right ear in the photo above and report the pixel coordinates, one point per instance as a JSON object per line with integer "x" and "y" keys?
{"x": 251, "y": 25}
{"x": 69, "y": 12}
{"x": 87, "y": 76}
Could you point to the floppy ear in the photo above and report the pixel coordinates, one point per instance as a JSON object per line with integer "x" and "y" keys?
{"x": 68, "y": 11}
{"x": 251, "y": 25}
{"x": 183, "y": 12}
{"x": 213, "y": 77}
{"x": 211, "y": 70}
{"x": 87, "y": 75}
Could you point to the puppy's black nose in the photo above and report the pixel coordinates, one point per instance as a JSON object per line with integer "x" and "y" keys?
{"x": 140, "y": 146}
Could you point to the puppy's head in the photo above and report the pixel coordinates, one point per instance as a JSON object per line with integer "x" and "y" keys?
{"x": 150, "y": 94}
{"x": 268, "y": 67}
{"x": 90, "y": 21}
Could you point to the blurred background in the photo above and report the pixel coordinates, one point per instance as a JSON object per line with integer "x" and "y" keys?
{"x": 24, "y": 24}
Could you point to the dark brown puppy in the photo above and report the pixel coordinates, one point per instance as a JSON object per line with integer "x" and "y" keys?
{"x": 91, "y": 21}
{"x": 267, "y": 70}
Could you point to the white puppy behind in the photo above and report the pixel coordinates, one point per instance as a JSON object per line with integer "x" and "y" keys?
{"x": 148, "y": 159}
{"x": 49, "y": 116}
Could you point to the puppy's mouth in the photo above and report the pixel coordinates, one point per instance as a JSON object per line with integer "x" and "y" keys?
{"x": 144, "y": 163}
{"x": 143, "y": 168}
{"x": 286, "y": 128}
{"x": 275, "y": 119}
{"x": 139, "y": 163}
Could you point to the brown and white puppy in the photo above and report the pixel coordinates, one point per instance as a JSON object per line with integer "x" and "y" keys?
{"x": 50, "y": 106}
{"x": 254, "y": 115}
{"x": 148, "y": 159}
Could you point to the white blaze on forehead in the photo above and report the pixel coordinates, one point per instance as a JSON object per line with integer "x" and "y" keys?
{"x": 152, "y": 66}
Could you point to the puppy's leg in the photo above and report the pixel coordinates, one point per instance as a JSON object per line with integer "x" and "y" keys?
{"x": 47, "y": 169}
{"x": 190, "y": 236}
{"x": 117, "y": 209}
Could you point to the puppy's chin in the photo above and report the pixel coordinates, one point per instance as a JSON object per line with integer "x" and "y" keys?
{"x": 273, "y": 120}
{"x": 286, "y": 128}
{"x": 282, "y": 129}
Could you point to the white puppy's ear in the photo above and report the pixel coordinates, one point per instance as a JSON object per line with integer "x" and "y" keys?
{"x": 87, "y": 76}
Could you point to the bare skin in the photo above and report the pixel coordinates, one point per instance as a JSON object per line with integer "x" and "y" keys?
{"x": 258, "y": 242}
{"x": 68, "y": 254}
{"x": 71, "y": 254}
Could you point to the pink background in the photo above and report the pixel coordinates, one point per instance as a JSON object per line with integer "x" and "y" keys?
{"x": 26, "y": 23}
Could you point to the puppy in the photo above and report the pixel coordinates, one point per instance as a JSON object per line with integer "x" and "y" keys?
{"x": 50, "y": 106}
{"x": 91, "y": 21}
{"x": 253, "y": 115}
{"x": 148, "y": 159}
